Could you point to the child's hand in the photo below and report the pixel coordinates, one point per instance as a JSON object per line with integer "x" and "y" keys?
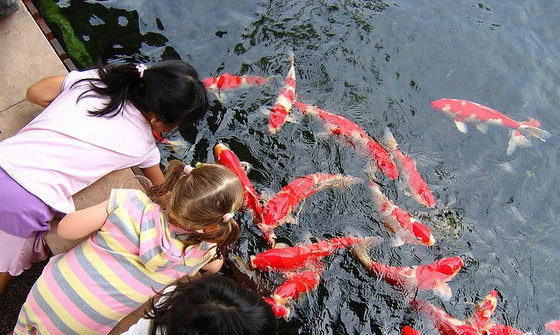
{"x": 213, "y": 267}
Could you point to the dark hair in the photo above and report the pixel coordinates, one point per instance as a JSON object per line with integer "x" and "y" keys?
{"x": 199, "y": 200}
{"x": 212, "y": 305}
{"x": 169, "y": 89}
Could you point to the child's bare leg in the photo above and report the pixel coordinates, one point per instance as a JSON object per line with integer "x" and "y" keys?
{"x": 5, "y": 278}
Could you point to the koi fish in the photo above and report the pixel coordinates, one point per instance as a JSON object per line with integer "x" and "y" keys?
{"x": 279, "y": 310}
{"x": 226, "y": 82}
{"x": 495, "y": 329}
{"x": 297, "y": 257}
{"x": 433, "y": 276}
{"x": 244, "y": 274}
{"x": 283, "y": 105}
{"x": 277, "y": 210}
{"x": 553, "y": 326}
{"x": 418, "y": 187}
{"x": 355, "y": 136}
{"x": 406, "y": 228}
{"x": 406, "y": 330}
{"x": 518, "y": 140}
{"x": 483, "y": 310}
{"x": 466, "y": 111}
{"x": 226, "y": 157}
{"x": 295, "y": 285}
{"x": 446, "y": 324}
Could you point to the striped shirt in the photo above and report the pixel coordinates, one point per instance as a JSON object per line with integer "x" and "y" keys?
{"x": 92, "y": 287}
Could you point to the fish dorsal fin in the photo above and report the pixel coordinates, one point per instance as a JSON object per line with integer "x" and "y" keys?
{"x": 482, "y": 127}
{"x": 443, "y": 291}
{"x": 398, "y": 240}
{"x": 461, "y": 126}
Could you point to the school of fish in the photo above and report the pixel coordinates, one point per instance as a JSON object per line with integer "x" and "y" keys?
{"x": 302, "y": 265}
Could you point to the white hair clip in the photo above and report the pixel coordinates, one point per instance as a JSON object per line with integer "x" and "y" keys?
{"x": 188, "y": 169}
{"x": 141, "y": 68}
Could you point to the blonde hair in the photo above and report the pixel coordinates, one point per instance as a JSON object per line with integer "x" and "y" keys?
{"x": 199, "y": 201}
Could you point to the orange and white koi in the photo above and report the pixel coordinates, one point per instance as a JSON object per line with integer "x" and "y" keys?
{"x": 298, "y": 257}
{"x": 483, "y": 310}
{"x": 553, "y": 326}
{"x": 277, "y": 210}
{"x": 433, "y": 276}
{"x": 407, "y": 330}
{"x": 517, "y": 140}
{"x": 223, "y": 155}
{"x": 295, "y": 285}
{"x": 466, "y": 111}
{"x": 283, "y": 106}
{"x": 355, "y": 135}
{"x": 496, "y": 329}
{"x": 406, "y": 228}
{"x": 226, "y": 82}
{"x": 418, "y": 187}
{"x": 446, "y": 324}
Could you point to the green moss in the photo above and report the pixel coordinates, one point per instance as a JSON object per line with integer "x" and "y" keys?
{"x": 73, "y": 46}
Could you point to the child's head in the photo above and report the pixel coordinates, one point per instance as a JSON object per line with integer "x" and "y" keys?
{"x": 169, "y": 90}
{"x": 202, "y": 201}
{"x": 212, "y": 305}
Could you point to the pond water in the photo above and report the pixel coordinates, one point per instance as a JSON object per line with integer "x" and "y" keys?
{"x": 379, "y": 64}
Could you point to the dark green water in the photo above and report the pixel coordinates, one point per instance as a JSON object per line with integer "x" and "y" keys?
{"x": 378, "y": 64}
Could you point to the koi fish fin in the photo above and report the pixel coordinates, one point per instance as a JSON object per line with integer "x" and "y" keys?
{"x": 264, "y": 110}
{"x": 461, "y": 126}
{"x": 539, "y": 133}
{"x": 289, "y": 219}
{"x": 389, "y": 139}
{"x": 398, "y": 241}
{"x": 443, "y": 291}
{"x": 178, "y": 147}
{"x": 517, "y": 141}
{"x": 246, "y": 166}
{"x": 370, "y": 171}
{"x": 482, "y": 127}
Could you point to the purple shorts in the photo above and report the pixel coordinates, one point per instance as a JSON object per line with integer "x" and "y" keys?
{"x": 24, "y": 219}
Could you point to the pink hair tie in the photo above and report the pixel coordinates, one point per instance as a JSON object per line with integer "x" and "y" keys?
{"x": 227, "y": 217}
{"x": 188, "y": 169}
{"x": 141, "y": 68}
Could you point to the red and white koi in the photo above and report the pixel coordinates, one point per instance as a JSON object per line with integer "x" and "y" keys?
{"x": 226, "y": 82}
{"x": 407, "y": 330}
{"x": 418, "y": 187}
{"x": 355, "y": 135}
{"x": 224, "y": 156}
{"x": 295, "y": 285}
{"x": 553, "y": 326}
{"x": 446, "y": 324}
{"x": 277, "y": 210}
{"x": 406, "y": 228}
{"x": 517, "y": 140}
{"x": 283, "y": 106}
{"x": 483, "y": 310}
{"x": 466, "y": 111}
{"x": 298, "y": 257}
{"x": 433, "y": 276}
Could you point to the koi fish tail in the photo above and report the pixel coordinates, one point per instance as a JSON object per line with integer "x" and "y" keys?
{"x": 389, "y": 139}
{"x": 291, "y": 57}
{"x": 517, "y": 141}
{"x": 361, "y": 250}
{"x": 539, "y": 133}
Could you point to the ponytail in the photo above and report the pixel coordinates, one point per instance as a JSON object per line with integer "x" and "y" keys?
{"x": 204, "y": 199}
{"x": 170, "y": 90}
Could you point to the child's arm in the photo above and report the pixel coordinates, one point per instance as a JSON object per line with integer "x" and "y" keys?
{"x": 212, "y": 267}
{"x": 154, "y": 174}
{"x": 45, "y": 90}
{"x": 81, "y": 223}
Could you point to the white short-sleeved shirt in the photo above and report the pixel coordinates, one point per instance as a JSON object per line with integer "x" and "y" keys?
{"x": 143, "y": 326}
{"x": 64, "y": 149}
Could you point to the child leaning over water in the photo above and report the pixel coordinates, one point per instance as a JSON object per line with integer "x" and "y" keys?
{"x": 140, "y": 248}
{"x": 95, "y": 122}
{"x": 212, "y": 305}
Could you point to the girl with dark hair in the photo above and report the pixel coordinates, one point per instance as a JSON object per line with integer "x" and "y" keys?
{"x": 211, "y": 305}
{"x": 139, "y": 247}
{"x": 95, "y": 122}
